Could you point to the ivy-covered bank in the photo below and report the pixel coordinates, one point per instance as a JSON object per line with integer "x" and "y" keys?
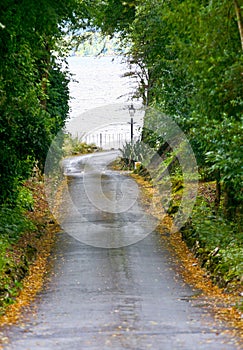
{"x": 216, "y": 241}
{"x": 27, "y": 236}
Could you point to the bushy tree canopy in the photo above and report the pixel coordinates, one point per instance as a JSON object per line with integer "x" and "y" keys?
{"x": 33, "y": 88}
{"x": 191, "y": 54}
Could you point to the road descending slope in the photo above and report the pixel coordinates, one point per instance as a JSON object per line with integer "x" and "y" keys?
{"x": 102, "y": 297}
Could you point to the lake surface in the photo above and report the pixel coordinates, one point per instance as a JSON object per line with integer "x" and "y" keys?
{"x": 100, "y": 99}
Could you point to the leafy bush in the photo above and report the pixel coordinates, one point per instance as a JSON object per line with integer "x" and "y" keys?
{"x": 217, "y": 243}
{"x": 25, "y": 200}
{"x": 13, "y": 223}
{"x": 136, "y": 152}
{"x": 75, "y": 146}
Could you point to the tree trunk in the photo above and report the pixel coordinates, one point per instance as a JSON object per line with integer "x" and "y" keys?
{"x": 239, "y": 20}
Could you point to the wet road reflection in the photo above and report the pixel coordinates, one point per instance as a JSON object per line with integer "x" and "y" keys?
{"x": 124, "y": 298}
{"x": 100, "y": 206}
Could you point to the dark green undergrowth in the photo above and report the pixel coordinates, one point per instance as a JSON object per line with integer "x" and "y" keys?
{"x": 14, "y": 256}
{"x": 217, "y": 243}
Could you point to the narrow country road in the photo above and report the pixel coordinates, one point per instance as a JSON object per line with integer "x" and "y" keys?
{"x": 105, "y": 292}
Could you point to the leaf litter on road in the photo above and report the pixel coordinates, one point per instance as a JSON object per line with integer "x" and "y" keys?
{"x": 222, "y": 305}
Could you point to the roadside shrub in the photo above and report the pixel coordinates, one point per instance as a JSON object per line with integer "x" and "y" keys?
{"x": 136, "y": 151}
{"x": 75, "y": 146}
{"x": 25, "y": 199}
{"x": 217, "y": 243}
{"x": 13, "y": 223}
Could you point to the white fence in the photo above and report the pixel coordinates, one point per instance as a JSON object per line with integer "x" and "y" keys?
{"x": 113, "y": 137}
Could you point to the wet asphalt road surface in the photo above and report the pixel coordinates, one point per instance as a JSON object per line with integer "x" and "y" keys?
{"x": 113, "y": 298}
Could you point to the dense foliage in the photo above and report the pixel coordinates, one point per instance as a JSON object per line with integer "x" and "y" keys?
{"x": 190, "y": 56}
{"x": 33, "y": 87}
